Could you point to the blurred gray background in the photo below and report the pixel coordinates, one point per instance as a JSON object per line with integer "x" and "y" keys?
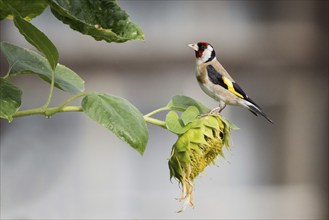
{"x": 69, "y": 167}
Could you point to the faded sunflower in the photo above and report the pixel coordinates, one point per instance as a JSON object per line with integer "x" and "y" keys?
{"x": 201, "y": 141}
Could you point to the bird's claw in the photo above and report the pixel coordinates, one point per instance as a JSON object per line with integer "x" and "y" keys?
{"x": 215, "y": 111}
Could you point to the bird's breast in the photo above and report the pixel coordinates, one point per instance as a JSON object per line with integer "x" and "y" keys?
{"x": 201, "y": 73}
{"x": 215, "y": 91}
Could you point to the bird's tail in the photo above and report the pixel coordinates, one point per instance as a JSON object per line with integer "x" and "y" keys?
{"x": 255, "y": 109}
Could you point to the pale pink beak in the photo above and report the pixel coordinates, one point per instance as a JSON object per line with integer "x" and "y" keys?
{"x": 194, "y": 46}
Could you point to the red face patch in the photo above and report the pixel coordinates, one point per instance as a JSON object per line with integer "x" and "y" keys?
{"x": 198, "y": 53}
{"x": 202, "y": 46}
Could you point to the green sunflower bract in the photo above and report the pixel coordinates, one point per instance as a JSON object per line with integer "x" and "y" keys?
{"x": 200, "y": 141}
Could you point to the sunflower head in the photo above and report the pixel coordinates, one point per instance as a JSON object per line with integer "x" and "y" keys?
{"x": 200, "y": 141}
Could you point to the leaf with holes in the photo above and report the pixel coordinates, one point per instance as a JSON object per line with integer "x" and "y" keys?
{"x": 101, "y": 19}
{"x": 27, "y": 11}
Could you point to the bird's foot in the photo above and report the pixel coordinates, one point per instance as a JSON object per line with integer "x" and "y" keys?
{"x": 214, "y": 111}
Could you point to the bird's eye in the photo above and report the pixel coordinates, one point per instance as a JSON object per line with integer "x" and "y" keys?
{"x": 201, "y": 46}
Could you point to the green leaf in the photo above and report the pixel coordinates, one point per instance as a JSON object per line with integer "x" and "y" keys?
{"x": 175, "y": 124}
{"x": 119, "y": 116}
{"x": 196, "y": 136}
{"x": 27, "y": 11}
{"x": 10, "y": 99}
{"x": 207, "y": 131}
{"x": 211, "y": 122}
{"x": 231, "y": 125}
{"x": 190, "y": 114}
{"x": 181, "y": 103}
{"x": 228, "y": 126}
{"x": 182, "y": 143}
{"x": 38, "y": 39}
{"x": 25, "y": 61}
{"x": 101, "y": 19}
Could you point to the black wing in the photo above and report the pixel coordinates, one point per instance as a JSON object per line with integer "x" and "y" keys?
{"x": 217, "y": 78}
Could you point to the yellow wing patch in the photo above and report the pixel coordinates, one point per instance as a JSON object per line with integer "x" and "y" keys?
{"x": 230, "y": 87}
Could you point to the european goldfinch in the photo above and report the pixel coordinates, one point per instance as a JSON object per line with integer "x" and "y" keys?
{"x": 215, "y": 81}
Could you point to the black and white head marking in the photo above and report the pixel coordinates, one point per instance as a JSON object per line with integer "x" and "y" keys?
{"x": 204, "y": 52}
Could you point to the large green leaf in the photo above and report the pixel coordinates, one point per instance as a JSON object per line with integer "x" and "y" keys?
{"x": 119, "y": 116}
{"x": 101, "y": 19}
{"x": 10, "y": 99}
{"x": 25, "y": 61}
{"x": 38, "y": 39}
{"x": 181, "y": 103}
{"x": 26, "y": 10}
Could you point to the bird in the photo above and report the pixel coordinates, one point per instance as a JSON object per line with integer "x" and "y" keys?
{"x": 217, "y": 83}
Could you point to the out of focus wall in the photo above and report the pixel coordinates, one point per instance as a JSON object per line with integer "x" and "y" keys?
{"x": 69, "y": 167}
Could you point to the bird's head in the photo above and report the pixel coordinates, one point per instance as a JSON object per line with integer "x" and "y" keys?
{"x": 204, "y": 52}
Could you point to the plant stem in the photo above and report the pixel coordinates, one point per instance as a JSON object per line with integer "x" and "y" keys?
{"x": 10, "y": 68}
{"x": 155, "y": 121}
{"x": 72, "y": 108}
{"x": 52, "y": 85}
{"x": 48, "y": 111}
{"x": 157, "y": 111}
{"x": 72, "y": 99}
{"x": 51, "y": 111}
